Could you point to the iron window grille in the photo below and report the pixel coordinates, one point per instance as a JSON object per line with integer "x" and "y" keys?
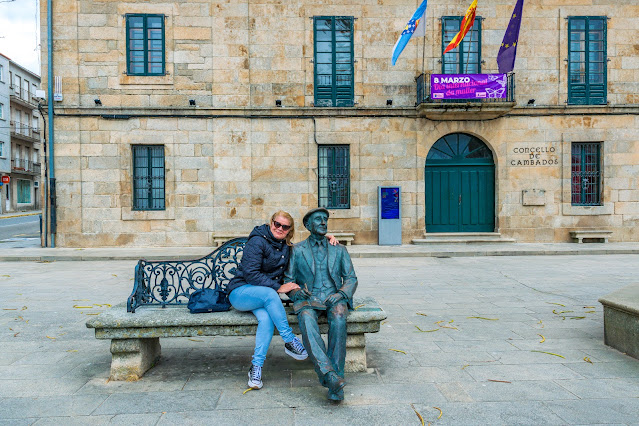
{"x": 465, "y": 58}
{"x": 334, "y": 176}
{"x": 145, "y": 44}
{"x": 586, "y": 174}
{"x": 587, "y": 60}
{"x": 148, "y": 177}
{"x": 333, "y": 61}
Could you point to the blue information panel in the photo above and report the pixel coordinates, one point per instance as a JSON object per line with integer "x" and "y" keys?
{"x": 390, "y": 215}
{"x": 390, "y": 202}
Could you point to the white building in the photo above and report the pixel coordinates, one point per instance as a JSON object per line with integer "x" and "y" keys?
{"x": 20, "y": 141}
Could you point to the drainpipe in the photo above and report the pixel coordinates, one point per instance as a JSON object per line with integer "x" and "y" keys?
{"x": 50, "y": 113}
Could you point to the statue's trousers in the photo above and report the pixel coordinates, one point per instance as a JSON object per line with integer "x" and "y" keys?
{"x": 334, "y": 358}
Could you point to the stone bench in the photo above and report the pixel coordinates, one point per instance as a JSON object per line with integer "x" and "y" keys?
{"x": 135, "y": 338}
{"x": 600, "y": 234}
{"x": 157, "y": 308}
{"x": 621, "y": 320}
{"x": 219, "y": 239}
{"x": 345, "y": 238}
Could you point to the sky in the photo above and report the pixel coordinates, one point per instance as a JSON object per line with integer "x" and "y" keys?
{"x": 20, "y": 33}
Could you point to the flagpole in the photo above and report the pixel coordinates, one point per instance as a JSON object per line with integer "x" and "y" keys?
{"x": 424, "y": 51}
{"x": 470, "y": 47}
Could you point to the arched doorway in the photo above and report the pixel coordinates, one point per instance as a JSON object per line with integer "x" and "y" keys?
{"x": 460, "y": 185}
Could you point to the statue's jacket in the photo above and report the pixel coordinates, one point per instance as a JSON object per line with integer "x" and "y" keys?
{"x": 301, "y": 270}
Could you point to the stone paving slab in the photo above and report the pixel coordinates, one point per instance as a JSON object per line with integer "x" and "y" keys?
{"x": 479, "y": 371}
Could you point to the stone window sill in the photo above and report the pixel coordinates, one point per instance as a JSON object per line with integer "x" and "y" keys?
{"x": 128, "y": 214}
{"x": 570, "y": 210}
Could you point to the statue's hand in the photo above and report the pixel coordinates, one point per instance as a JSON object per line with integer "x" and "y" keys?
{"x": 333, "y": 298}
{"x": 301, "y": 293}
{"x": 304, "y": 291}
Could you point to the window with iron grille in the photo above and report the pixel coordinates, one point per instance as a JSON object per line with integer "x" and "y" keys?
{"x": 465, "y": 58}
{"x": 334, "y": 176}
{"x": 148, "y": 177}
{"x": 24, "y": 191}
{"x": 586, "y": 174}
{"x": 587, "y": 58}
{"x": 333, "y": 43}
{"x": 145, "y": 44}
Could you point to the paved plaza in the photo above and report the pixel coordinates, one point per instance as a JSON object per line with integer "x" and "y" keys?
{"x": 468, "y": 340}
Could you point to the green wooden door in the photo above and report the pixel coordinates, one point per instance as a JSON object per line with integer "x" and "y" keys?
{"x": 460, "y": 185}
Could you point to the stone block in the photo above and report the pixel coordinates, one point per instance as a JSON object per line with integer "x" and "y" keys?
{"x": 131, "y": 358}
{"x": 621, "y": 319}
{"x": 355, "y": 353}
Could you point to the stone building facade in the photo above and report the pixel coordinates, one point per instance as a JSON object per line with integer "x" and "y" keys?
{"x": 185, "y": 120}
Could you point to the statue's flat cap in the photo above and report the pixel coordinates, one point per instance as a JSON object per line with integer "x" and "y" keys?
{"x": 310, "y": 212}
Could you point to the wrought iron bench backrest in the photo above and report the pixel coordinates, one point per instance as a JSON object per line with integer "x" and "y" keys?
{"x": 171, "y": 282}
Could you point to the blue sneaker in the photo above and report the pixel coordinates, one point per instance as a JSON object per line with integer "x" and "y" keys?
{"x": 255, "y": 377}
{"x": 295, "y": 349}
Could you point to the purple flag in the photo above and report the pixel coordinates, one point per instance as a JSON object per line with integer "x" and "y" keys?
{"x": 508, "y": 49}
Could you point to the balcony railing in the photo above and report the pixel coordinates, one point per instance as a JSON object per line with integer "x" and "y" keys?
{"x": 24, "y": 131}
{"x": 423, "y": 92}
{"x": 22, "y": 96}
{"x": 462, "y": 109}
{"x": 25, "y": 166}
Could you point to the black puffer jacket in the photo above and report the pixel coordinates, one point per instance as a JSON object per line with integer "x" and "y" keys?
{"x": 264, "y": 261}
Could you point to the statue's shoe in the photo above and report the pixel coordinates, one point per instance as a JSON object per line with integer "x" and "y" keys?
{"x": 336, "y": 396}
{"x": 334, "y": 383}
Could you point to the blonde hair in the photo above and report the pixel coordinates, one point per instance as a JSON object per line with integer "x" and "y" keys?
{"x": 291, "y": 232}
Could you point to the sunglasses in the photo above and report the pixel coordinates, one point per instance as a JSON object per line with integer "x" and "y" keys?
{"x": 276, "y": 224}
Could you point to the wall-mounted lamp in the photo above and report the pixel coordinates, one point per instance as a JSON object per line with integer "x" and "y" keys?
{"x": 389, "y": 102}
{"x": 98, "y": 102}
{"x": 192, "y": 102}
{"x": 278, "y": 103}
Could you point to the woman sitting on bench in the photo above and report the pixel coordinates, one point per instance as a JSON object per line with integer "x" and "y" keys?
{"x": 257, "y": 283}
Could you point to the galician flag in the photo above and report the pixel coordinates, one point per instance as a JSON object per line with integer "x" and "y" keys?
{"x": 508, "y": 49}
{"x": 466, "y": 25}
{"x": 415, "y": 23}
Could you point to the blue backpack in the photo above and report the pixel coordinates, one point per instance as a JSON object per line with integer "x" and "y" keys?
{"x": 208, "y": 300}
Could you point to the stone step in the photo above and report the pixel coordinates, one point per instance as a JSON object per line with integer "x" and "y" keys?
{"x": 462, "y": 237}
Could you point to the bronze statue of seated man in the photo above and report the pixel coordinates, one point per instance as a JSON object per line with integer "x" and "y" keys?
{"x": 327, "y": 282}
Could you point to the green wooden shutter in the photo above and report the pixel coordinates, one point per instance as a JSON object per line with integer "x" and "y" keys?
{"x": 145, "y": 50}
{"x": 24, "y": 191}
{"x": 334, "y": 76}
{"x": 465, "y": 58}
{"x": 587, "y": 60}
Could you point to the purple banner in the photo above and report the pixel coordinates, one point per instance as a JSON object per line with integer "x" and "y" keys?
{"x": 468, "y": 86}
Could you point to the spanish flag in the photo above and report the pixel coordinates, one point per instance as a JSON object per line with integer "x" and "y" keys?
{"x": 466, "y": 25}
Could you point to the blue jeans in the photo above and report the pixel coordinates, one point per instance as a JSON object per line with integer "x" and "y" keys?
{"x": 267, "y": 307}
